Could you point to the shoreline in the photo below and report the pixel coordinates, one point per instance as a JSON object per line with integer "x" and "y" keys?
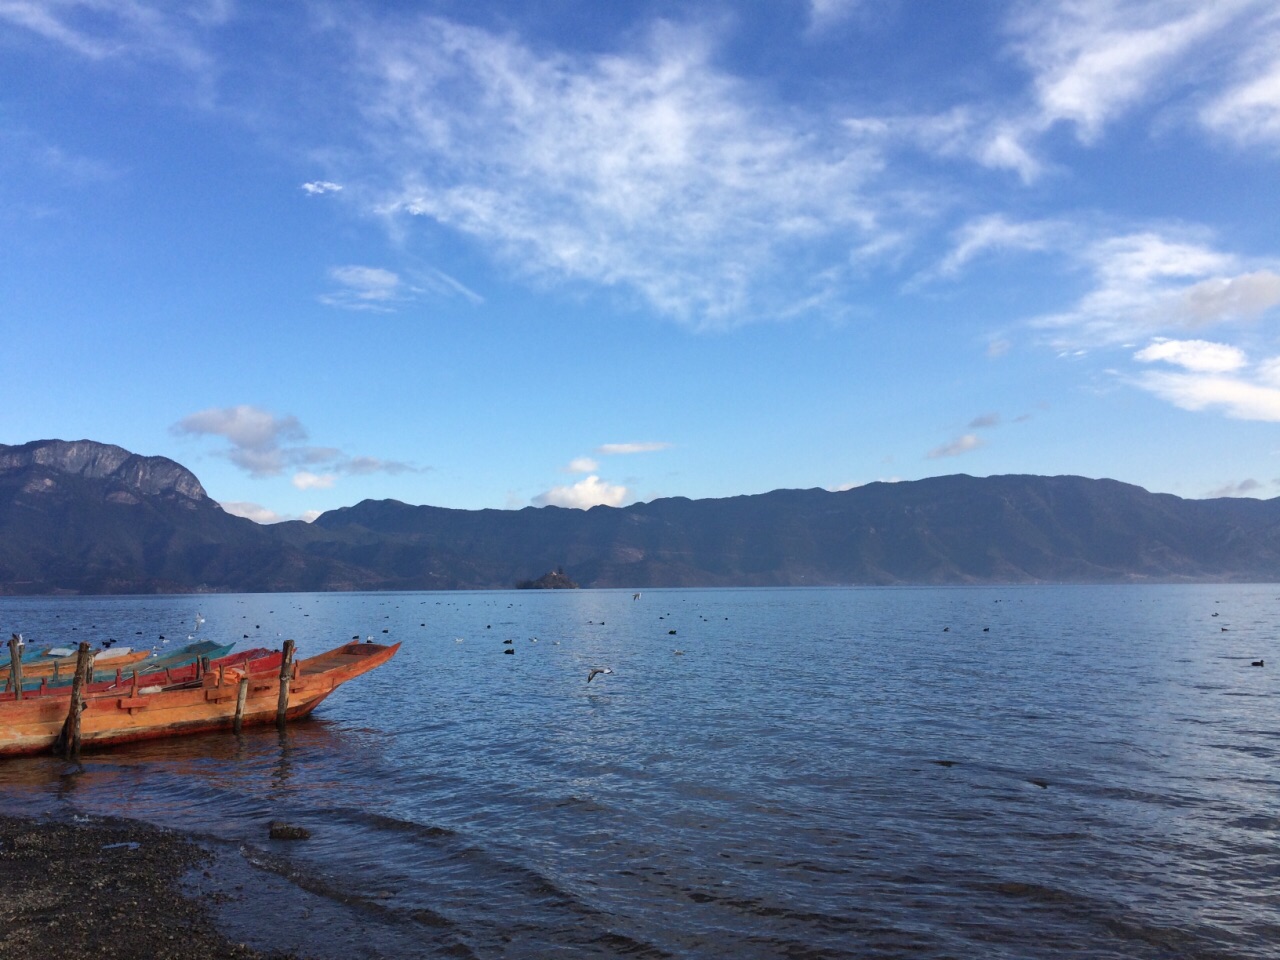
{"x": 107, "y": 887}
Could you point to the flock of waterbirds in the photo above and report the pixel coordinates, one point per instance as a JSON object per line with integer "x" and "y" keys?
{"x": 595, "y": 672}
{"x": 508, "y": 644}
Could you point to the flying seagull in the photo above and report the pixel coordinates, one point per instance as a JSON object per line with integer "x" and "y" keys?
{"x": 595, "y": 670}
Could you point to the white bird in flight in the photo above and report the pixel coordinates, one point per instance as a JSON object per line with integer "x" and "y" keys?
{"x": 596, "y": 670}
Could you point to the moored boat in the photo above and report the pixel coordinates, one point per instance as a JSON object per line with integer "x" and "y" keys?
{"x": 57, "y": 667}
{"x": 184, "y": 655}
{"x": 27, "y": 654}
{"x": 258, "y": 659}
{"x": 33, "y": 725}
{"x": 108, "y": 669}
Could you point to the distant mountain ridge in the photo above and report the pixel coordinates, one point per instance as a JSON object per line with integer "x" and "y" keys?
{"x": 86, "y": 517}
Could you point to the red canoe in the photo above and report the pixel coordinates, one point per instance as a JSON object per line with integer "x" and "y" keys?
{"x": 120, "y": 715}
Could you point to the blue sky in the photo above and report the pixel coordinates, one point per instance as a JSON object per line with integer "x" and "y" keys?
{"x": 501, "y": 254}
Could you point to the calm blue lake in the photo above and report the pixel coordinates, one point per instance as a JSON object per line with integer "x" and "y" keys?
{"x": 1001, "y": 772}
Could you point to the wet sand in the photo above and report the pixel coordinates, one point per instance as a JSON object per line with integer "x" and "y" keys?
{"x": 96, "y": 887}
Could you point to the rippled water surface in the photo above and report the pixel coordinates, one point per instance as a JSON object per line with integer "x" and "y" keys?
{"x": 976, "y": 772}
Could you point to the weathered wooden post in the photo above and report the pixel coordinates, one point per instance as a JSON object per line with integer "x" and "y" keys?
{"x": 15, "y": 665}
{"x": 242, "y": 694}
{"x": 286, "y": 674}
{"x": 69, "y": 740}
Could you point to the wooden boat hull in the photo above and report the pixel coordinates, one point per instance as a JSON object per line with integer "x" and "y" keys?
{"x": 32, "y": 726}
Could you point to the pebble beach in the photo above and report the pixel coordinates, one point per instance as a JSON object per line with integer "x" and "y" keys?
{"x": 112, "y": 888}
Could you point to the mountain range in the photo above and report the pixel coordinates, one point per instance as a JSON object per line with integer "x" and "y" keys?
{"x": 92, "y": 518}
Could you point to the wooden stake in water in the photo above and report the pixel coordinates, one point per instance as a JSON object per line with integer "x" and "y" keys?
{"x": 70, "y": 737}
{"x": 15, "y": 665}
{"x": 242, "y": 694}
{"x": 286, "y": 674}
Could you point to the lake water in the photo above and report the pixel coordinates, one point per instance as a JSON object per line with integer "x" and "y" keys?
{"x": 973, "y": 772}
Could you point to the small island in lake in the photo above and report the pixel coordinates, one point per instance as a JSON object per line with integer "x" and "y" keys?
{"x": 552, "y": 580}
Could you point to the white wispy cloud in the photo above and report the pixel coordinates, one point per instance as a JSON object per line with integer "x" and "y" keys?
{"x": 364, "y": 288}
{"x": 1090, "y": 63}
{"x": 588, "y": 492}
{"x": 985, "y": 421}
{"x": 1214, "y": 376}
{"x": 614, "y": 449}
{"x": 113, "y": 29}
{"x": 996, "y": 232}
{"x": 1147, "y": 283}
{"x": 266, "y": 445}
{"x": 1235, "y": 397}
{"x": 963, "y": 444}
{"x": 380, "y": 290}
{"x": 982, "y": 133}
{"x": 1250, "y": 113}
{"x": 649, "y": 171}
{"x": 582, "y": 465}
{"x": 319, "y": 187}
{"x": 1247, "y": 111}
{"x": 1092, "y": 60}
{"x": 1201, "y": 356}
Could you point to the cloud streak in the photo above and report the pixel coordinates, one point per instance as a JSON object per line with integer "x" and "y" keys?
{"x": 963, "y": 444}
{"x": 1214, "y": 376}
{"x": 122, "y": 29}
{"x": 649, "y": 172}
{"x": 364, "y": 288}
{"x": 265, "y": 445}
{"x": 623, "y": 449}
{"x": 378, "y": 290}
{"x": 1147, "y": 282}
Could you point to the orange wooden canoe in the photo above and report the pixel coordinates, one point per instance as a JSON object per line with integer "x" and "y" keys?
{"x": 119, "y": 716}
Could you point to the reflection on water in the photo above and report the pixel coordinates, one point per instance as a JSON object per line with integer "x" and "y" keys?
{"x": 985, "y": 772}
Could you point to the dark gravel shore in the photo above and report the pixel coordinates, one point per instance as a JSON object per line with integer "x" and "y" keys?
{"x": 99, "y": 887}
